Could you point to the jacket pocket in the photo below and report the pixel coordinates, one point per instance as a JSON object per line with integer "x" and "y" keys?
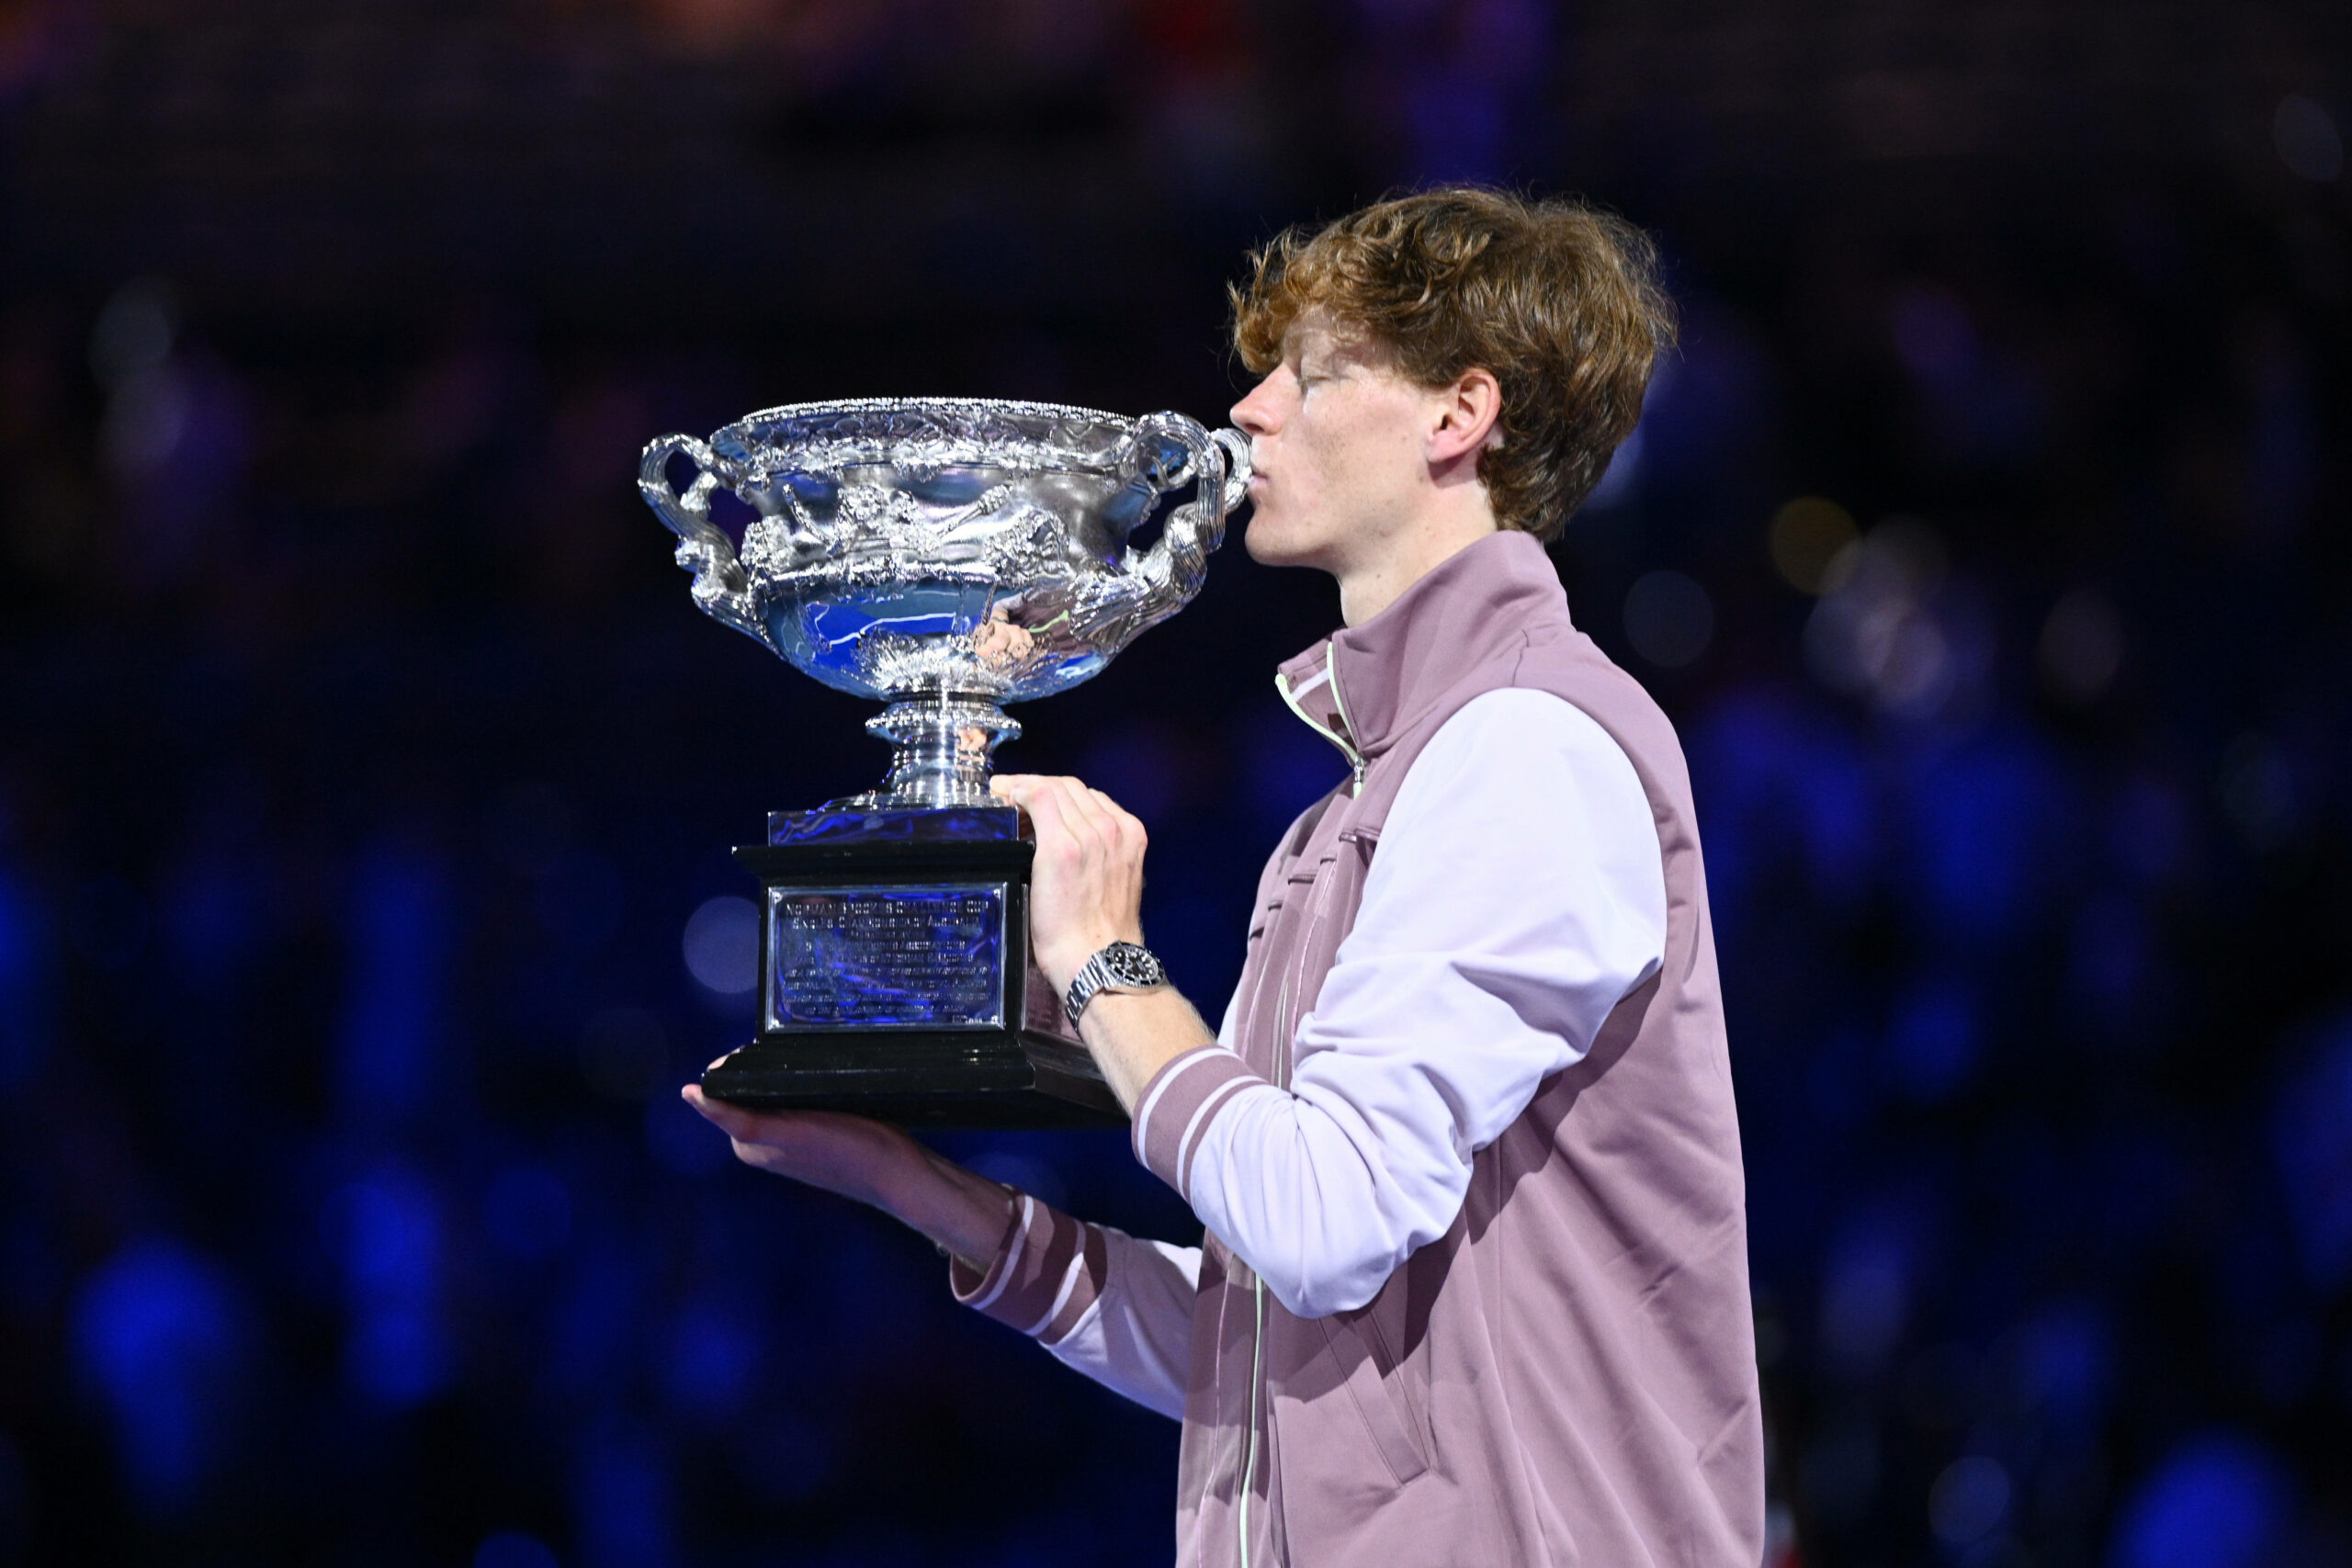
{"x": 1375, "y": 1385}
{"x": 1324, "y": 897}
{"x": 1269, "y": 910}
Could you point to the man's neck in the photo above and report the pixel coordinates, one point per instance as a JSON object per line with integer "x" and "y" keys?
{"x": 1371, "y": 587}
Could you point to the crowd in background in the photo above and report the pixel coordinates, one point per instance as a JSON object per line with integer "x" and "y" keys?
{"x": 367, "y": 777}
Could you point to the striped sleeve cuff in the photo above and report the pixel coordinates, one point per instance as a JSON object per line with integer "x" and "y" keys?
{"x": 1048, "y": 1269}
{"x": 1179, "y": 1103}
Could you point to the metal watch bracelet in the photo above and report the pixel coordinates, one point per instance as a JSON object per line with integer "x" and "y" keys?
{"x": 1121, "y": 966}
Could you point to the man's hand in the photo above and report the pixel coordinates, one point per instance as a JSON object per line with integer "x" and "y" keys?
{"x": 874, "y": 1163}
{"x": 1085, "y": 893}
{"x": 1086, "y": 887}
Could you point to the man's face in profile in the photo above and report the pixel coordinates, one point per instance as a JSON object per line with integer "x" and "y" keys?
{"x": 1337, "y": 444}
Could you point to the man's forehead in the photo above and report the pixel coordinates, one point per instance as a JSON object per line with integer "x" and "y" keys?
{"x": 1317, "y": 329}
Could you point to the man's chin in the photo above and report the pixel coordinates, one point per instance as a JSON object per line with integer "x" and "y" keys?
{"x": 1268, "y": 547}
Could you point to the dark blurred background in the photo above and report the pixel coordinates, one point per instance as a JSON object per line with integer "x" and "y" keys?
{"x": 367, "y": 776}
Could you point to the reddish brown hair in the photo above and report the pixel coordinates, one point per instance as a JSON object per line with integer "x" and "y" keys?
{"x": 1560, "y": 303}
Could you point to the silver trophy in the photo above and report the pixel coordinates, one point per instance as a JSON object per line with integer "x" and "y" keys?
{"x": 946, "y": 556}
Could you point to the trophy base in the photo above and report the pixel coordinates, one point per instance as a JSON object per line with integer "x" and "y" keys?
{"x": 895, "y": 979}
{"x": 927, "y": 1081}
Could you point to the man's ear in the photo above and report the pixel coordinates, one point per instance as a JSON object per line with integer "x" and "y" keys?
{"x": 1469, "y": 416}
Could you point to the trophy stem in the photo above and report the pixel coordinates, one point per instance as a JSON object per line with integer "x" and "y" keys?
{"x": 944, "y": 745}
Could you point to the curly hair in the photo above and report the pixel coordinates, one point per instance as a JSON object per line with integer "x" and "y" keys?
{"x": 1561, "y": 303}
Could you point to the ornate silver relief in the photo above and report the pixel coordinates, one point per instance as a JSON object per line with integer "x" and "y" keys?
{"x": 947, "y": 554}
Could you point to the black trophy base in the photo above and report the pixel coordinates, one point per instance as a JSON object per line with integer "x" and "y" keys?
{"x": 895, "y": 979}
{"x": 937, "y": 1080}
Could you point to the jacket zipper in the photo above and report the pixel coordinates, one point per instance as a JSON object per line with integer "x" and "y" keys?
{"x": 1257, "y": 1378}
{"x": 1347, "y": 749}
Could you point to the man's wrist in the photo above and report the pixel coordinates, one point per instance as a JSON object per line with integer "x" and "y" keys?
{"x": 963, "y": 1213}
{"x": 1062, "y": 961}
{"x": 905, "y": 1188}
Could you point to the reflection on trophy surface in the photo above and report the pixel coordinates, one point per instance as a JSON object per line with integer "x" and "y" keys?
{"x": 946, "y": 557}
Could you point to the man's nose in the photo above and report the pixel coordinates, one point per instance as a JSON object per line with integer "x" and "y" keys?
{"x": 1249, "y": 414}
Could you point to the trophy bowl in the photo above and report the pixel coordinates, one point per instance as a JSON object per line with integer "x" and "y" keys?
{"x": 947, "y": 554}
{"x": 944, "y": 555}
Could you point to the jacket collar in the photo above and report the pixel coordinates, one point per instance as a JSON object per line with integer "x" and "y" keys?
{"x": 1365, "y": 685}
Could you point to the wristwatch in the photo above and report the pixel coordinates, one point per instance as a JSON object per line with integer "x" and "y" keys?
{"x": 1122, "y": 966}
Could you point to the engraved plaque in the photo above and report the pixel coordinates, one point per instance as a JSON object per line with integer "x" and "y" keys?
{"x": 885, "y": 957}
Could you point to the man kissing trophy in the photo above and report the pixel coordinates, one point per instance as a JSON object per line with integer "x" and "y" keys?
{"x": 1472, "y": 1286}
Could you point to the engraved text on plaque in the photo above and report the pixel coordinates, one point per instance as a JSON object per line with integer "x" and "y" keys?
{"x": 928, "y": 957}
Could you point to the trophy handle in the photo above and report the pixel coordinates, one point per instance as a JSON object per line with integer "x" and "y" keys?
{"x": 1171, "y": 571}
{"x": 720, "y": 589}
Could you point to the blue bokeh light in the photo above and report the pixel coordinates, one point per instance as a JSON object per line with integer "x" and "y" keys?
{"x": 2219, "y": 1500}
{"x": 165, "y": 1339}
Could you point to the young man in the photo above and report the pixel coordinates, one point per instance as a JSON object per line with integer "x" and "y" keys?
{"x": 1474, "y": 1289}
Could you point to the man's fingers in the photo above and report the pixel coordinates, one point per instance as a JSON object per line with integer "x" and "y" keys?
{"x": 1095, "y": 814}
{"x": 1075, "y": 820}
{"x": 1046, "y": 815}
{"x": 732, "y": 1120}
{"x": 748, "y": 1126}
{"x": 1084, "y": 804}
{"x": 1071, "y": 803}
{"x": 1069, "y": 824}
{"x": 1019, "y": 787}
{"x": 1128, "y": 826}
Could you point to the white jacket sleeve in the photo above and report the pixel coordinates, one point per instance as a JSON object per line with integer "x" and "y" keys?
{"x": 1517, "y": 895}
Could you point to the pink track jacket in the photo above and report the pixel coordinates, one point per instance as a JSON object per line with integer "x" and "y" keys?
{"x": 1565, "y": 1372}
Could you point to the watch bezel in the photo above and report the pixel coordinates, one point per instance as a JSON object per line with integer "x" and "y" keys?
{"x": 1131, "y": 964}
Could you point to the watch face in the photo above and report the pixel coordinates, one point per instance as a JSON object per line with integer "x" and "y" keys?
{"x": 1132, "y": 965}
